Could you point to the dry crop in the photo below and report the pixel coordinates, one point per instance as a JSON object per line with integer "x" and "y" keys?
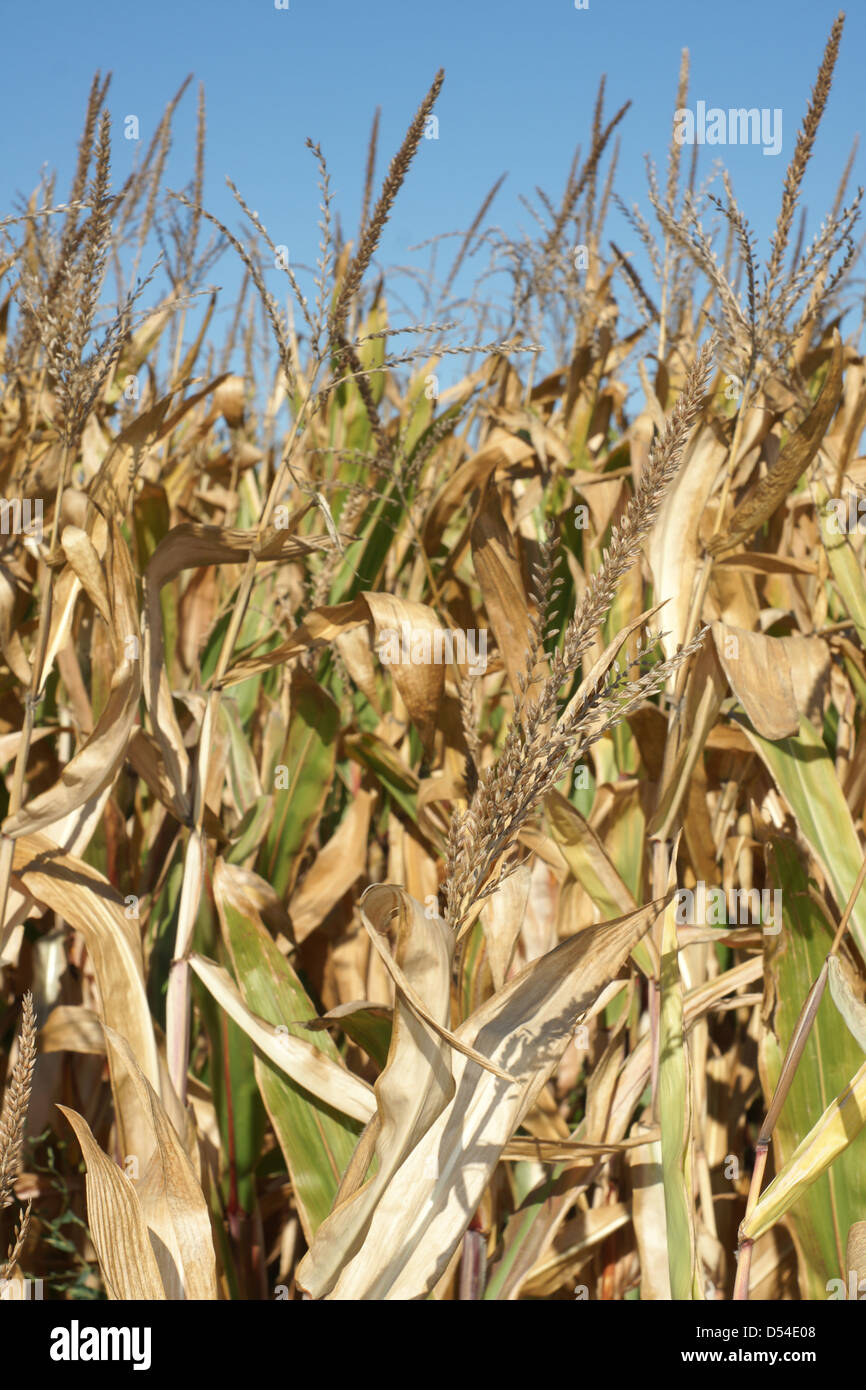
{"x": 432, "y": 818}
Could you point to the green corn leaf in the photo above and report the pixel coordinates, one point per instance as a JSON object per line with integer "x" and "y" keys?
{"x": 821, "y": 1210}
{"x": 316, "y": 1141}
{"x": 804, "y": 773}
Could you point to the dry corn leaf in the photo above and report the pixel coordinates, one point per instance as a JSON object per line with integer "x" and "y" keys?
{"x": 766, "y": 496}
{"x": 759, "y": 674}
{"x": 321, "y": 625}
{"x": 10, "y": 743}
{"x": 177, "y": 1014}
{"x": 188, "y": 546}
{"x": 334, "y": 870}
{"x": 525, "y": 1146}
{"x": 66, "y": 591}
{"x": 648, "y": 1215}
{"x": 586, "y": 857}
{"x": 698, "y": 1002}
{"x": 72, "y": 1028}
{"x": 412, "y": 1090}
{"x": 594, "y": 870}
{"x": 405, "y": 637}
{"x": 10, "y": 641}
{"x": 496, "y": 564}
{"x": 526, "y": 1026}
{"x": 501, "y": 920}
{"x": 354, "y": 647}
{"x": 809, "y": 660}
{"x": 306, "y": 1065}
{"x": 85, "y": 562}
{"x": 116, "y": 1221}
{"x": 170, "y": 1193}
{"x": 87, "y": 901}
{"x": 571, "y": 1245}
{"x": 705, "y": 691}
{"x": 407, "y": 991}
{"x": 502, "y": 451}
{"x": 96, "y": 763}
{"x": 409, "y": 640}
{"x": 600, "y": 667}
{"x": 71, "y": 835}
{"x": 110, "y": 489}
{"x": 674, "y": 544}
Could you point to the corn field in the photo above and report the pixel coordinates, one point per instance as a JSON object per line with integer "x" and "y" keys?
{"x": 434, "y": 757}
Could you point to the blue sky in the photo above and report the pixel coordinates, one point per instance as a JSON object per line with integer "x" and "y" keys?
{"x": 519, "y": 90}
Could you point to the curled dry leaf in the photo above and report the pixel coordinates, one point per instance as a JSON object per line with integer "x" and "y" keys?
{"x": 186, "y": 547}
{"x": 502, "y": 451}
{"x": 765, "y": 496}
{"x": 367, "y": 1024}
{"x": 10, "y": 642}
{"x": 413, "y": 1089}
{"x": 170, "y": 1193}
{"x": 498, "y": 569}
{"x": 525, "y": 1027}
{"x": 759, "y": 673}
{"x": 111, "y": 488}
{"x": 228, "y": 399}
{"x": 335, "y": 868}
{"x": 501, "y": 919}
{"x": 408, "y": 992}
{"x": 95, "y": 765}
{"x": 71, "y": 835}
{"x": 408, "y": 638}
{"x": 84, "y": 560}
{"x": 87, "y": 901}
{"x": 674, "y": 544}
{"x": 72, "y": 1028}
{"x": 117, "y": 1225}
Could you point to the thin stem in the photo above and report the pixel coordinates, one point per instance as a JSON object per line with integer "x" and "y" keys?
{"x": 178, "y": 1001}
{"x": 799, "y": 1038}
{"x": 849, "y": 908}
{"x": 660, "y": 873}
{"x": 16, "y": 796}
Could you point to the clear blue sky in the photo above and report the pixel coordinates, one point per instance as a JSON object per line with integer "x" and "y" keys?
{"x": 519, "y": 90}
